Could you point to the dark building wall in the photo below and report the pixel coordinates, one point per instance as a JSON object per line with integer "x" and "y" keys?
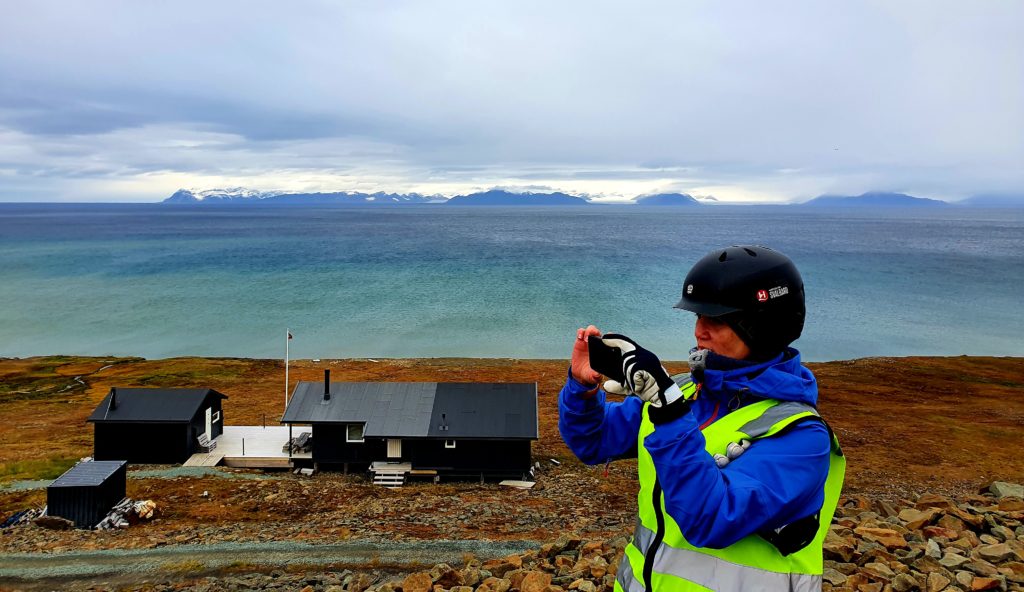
{"x": 329, "y": 446}
{"x": 86, "y": 506}
{"x": 161, "y": 443}
{"x": 470, "y": 456}
{"x": 198, "y": 423}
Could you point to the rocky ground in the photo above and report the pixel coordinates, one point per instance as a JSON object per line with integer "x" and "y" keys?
{"x": 909, "y": 426}
{"x": 933, "y": 543}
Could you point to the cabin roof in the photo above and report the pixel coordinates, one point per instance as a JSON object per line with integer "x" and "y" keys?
{"x": 421, "y": 409}
{"x": 88, "y": 474}
{"x": 164, "y": 405}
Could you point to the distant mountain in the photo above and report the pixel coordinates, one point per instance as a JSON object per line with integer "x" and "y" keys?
{"x": 246, "y": 196}
{"x": 874, "y": 199}
{"x": 667, "y": 199}
{"x": 993, "y": 201}
{"x": 500, "y": 197}
{"x": 234, "y": 194}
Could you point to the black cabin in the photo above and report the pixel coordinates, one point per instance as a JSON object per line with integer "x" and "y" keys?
{"x": 152, "y": 425}
{"x": 455, "y": 429}
{"x": 87, "y": 491}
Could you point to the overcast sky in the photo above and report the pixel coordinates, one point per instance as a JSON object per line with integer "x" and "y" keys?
{"x": 744, "y": 101}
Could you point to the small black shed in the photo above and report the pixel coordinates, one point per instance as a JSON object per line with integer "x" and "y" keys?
{"x": 87, "y": 491}
{"x": 154, "y": 425}
{"x": 453, "y": 429}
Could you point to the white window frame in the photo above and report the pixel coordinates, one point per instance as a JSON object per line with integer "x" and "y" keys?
{"x": 449, "y": 443}
{"x": 348, "y": 433}
{"x": 216, "y": 417}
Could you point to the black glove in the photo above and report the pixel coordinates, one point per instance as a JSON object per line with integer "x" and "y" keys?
{"x": 645, "y": 377}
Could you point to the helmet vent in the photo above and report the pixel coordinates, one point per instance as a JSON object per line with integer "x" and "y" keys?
{"x": 750, "y": 252}
{"x": 723, "y": 256}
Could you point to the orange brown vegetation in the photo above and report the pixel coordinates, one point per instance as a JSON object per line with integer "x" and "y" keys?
{"x": 945, "y": 425}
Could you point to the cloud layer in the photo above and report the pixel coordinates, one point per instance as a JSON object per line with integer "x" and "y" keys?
{"x": 746, "y": 101}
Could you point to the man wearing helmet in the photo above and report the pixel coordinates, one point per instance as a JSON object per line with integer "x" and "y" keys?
{"x": 739, "y": 476}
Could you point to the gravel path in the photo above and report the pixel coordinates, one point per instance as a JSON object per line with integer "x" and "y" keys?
{"x": 36, "y": 566}
{"x": 156, "y": 473}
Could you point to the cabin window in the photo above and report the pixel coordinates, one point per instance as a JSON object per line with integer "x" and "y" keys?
{"x": 216, "y": 417}
{"x": 354, "y": 432}
{"x": 449, "y": 443}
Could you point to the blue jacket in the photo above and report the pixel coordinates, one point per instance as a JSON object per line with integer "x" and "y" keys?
{"x": 776, "y": 481}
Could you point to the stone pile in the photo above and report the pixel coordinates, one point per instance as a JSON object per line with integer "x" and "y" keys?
{"x": 567, "y": 564}
{"x": 933, "y": 544}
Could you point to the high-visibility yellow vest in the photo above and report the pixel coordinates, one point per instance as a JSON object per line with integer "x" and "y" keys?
{"x": 659, "y": 559}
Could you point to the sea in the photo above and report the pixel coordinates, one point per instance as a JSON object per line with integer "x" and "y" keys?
{"x": 158, "y": 281}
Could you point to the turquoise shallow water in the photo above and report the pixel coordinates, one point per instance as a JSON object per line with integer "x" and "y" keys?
{"x": 159, "y": 281}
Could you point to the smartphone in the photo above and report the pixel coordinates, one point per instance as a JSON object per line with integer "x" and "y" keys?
{"x": 605, "y": 359}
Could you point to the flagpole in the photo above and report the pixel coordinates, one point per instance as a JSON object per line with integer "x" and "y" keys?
{"x": 287, "y": 338}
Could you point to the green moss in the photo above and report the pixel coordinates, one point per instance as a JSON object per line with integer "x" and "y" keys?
{"x": 40, "y": 468}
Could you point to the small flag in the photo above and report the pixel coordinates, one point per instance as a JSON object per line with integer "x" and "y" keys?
{"x": 289, "y": 335}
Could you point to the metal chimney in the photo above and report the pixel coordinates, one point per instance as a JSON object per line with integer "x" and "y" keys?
{"x": 327, "y": 384}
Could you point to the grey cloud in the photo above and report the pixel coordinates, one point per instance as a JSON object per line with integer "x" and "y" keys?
{"x": 920, "y": 98}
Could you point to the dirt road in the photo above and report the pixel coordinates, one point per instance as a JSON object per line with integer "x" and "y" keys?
{"x": 44, "y": 570}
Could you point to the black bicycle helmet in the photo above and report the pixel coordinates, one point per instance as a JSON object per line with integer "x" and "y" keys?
{"x": 758, "y": 292}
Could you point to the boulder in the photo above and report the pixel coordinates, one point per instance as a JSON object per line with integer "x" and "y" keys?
{"x": 889, "y": 538}
{"x": 986, "y": 584}
{"x": 1011, "y": 504}
{"x": 931, "y": 500}
{"x": 833, "y": 576}
{"x": 1002, "y": 489}
{"x": 471, "y": 576}
{"x": 418, "y": 582}
{"x": 937, "y": 582}
{"x": 535, "y": 581}
{"x": 493, "y": 584}
{"x": 952, "y": 560}
{"x": 878, "y": 571}
{"x": 54, "y": 523}
{"x": 995, "y": 553}
{"x": 445, "y": 576}
{"x": 838, "y": 549}
{"x": 359, "y": 582}
{"x": 583, "y": 586}
{"x": 916, "y": 519}
{"x": 905, "y": 583}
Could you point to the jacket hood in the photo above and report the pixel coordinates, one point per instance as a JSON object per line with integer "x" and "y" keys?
{"x": 782, "y": 378}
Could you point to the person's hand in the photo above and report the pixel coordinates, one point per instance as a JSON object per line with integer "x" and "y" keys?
{"x": 645, "y": 376}
{"x": 580, "y": 364}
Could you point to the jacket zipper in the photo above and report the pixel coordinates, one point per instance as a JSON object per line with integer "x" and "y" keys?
{"x": 659, "y": 535}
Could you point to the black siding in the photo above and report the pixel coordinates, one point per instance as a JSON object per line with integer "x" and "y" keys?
{"x": 158, "y": 443}
{"x": 86, "y": 505}
{"x": 329, "y": 446}
{"x": 198, "y": 423}
{"x": 493, "y": 457}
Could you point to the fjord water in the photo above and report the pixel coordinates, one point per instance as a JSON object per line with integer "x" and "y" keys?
{"x": 429, "y": 281}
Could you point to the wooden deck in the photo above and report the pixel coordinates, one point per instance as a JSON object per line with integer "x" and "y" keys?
{"x": 204, "y": 459}
{"x": 251, "y": 447}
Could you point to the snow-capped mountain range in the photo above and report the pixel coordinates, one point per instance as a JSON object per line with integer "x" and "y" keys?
{"x": 238, "y": 195}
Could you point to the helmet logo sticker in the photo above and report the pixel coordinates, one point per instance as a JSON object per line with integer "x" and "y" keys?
{"x": 689, "y": 289}
{"x": 762, "y": 295}
{"x": 778, "y": 291}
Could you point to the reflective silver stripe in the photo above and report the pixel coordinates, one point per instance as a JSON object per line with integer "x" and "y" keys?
{"x": 756, "y": 428}
{"x": 681, "y": 379}
{"x": 685, "y": 384}
{"x": 625, "y": 576}
{"x": 642, "y": 536}
{"x": 712, "y": 572}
